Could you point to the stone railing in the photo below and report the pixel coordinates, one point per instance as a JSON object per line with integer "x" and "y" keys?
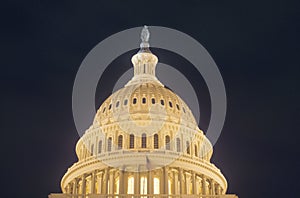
{"x": 138, "y": 196}
{"x": 174, "y": 154}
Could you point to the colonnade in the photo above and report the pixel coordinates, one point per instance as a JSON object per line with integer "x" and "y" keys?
{"x": 167, "y": 180}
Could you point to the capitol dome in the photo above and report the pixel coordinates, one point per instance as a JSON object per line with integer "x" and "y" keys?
{"x": 144, "y": 141}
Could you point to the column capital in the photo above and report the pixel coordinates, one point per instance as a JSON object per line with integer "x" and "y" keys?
{"x": 83, "y": 175}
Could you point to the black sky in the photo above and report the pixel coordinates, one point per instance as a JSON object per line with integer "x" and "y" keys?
{"x": 255, "y": 44}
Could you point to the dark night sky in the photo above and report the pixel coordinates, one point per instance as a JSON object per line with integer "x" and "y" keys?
{"x": 254, "y": 43}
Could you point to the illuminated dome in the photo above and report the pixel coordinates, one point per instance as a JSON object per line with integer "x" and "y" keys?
{"x": 143, "y": 103}
{"x": 144, "y": 141}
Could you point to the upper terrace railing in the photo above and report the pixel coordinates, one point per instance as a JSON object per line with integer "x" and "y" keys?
{"x": 107, "y": 155}
{"x": 137, "y": 196}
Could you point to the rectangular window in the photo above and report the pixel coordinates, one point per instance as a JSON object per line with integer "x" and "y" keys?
{"x": 109, "y": 142}
{"x": 100, "y": 146}
{"x": 92, "y": 149}
{"x": 156, "y": 186}
{"x": 130, "y": 188}
{"x": 131, "y": 141}
{"x": 144, "y": 140}
{"x": 155, "y": 141}
{"x": 178, "y": 145}
{"x": 188, "y": 147}
{"x": 167, "y": 141}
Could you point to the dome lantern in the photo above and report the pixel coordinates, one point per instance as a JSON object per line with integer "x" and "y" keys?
{"x": 144, "y": 62}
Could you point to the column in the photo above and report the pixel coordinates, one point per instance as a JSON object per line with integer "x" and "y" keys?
{"x": 125, "y": 185}
{"x": 75, "y": 186}
{"x": 194, "y": 183}
{"x": 181, "y": 179}
{"x": 161, "y": 182}
{"x": 165, "y": 175}
{"x": 137, "y": 183}
{"x": 171, "y": 178}
{"x": 68, "y": 188}
{"x": 105, "y": 182}
{"x": 176, "y": 190}
{"x": 111, "y": 181}
{"x": 219, "y": 190}
{"x": 203, "y": 185}
{"x": 93, "y": 182}
{"x": 83, "y": 185}
{"x": 212, "y": 185}
{"x": 187, "y": 182}
{"x": 121, "y": 181}
{"x": 149, "y": 183}
{"x": 99, "y": 182}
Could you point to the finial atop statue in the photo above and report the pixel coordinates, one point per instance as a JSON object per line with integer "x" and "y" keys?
{"x": 145, "y": 34}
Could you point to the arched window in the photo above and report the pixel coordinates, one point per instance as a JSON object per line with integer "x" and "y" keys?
{"x": 117, "y": 104}
{"x": 155, "y": 141}
{"x": 170, "y": 104}
{"x": 196, "y": 151}
{"x": 162, "y": 102}
{"x": 120, "y": 142}
{"x": 178, "y": 145}
{"x": 144, "y": 140}
{"x": 92, "y": 149}
{"x": 109, "y": 142}
{"x": 188, "y": 151}
{"x": 125, "y": 102}
{"x": 131, "y": 141}
{"x": 167, "y": 140}
{"x": 100, "y": 146}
